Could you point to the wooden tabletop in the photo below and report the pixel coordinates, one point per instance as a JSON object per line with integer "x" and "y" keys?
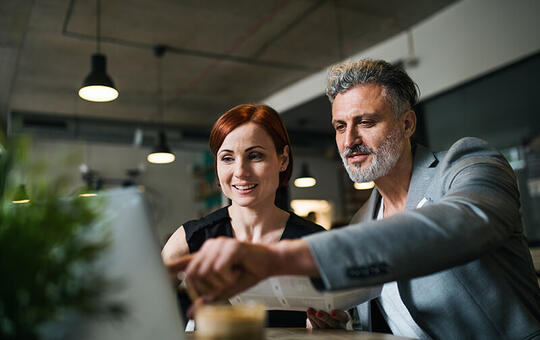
{"x": 320, "y": 334}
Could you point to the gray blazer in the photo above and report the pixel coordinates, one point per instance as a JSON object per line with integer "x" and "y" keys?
{"x": 460, "y": 260}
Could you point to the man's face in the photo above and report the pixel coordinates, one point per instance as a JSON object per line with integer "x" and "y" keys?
{"x": 368, "y": 136}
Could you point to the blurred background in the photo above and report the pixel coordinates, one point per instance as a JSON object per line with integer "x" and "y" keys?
{"x": 179, "y": 64}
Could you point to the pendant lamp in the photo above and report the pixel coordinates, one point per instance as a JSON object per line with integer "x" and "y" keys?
{"x": 98, "y": 86}
{"x": 305, "y": 180}
{"x": 20, "y": 195}
{"x": 161, "y": 153}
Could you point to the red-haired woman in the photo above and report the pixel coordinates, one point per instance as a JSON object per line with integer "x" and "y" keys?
{"x": 253, "y": 158}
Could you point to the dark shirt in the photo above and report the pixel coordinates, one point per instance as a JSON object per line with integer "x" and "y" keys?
{"x": 218, "y": 224}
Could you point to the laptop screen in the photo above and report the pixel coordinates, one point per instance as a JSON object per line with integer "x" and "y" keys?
{"x": 134, "y": 261}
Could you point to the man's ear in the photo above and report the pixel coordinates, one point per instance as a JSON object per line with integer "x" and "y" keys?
{"x": 284, "y": 157}
{"x": 409, "y": 123}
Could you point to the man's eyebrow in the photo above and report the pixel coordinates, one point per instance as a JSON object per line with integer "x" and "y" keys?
{"x": 358, "y": 117}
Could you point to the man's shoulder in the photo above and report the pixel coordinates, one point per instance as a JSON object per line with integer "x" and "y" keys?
{"x": 470, "y": 150}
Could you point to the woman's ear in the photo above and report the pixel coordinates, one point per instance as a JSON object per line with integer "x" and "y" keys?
{"x": 284, "y": 157}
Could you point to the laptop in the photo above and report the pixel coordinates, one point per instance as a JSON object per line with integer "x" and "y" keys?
{"x": 134, "y": 260}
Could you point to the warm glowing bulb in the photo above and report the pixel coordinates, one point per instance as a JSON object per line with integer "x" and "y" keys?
{"x": 160, "y": 157}
{"x": 305, "y": 182}
{"x": 20, "y": 201}
{"x": 88, "y": 194}
{"x": 98, "y": 93}
{"x": 364, "y": 185}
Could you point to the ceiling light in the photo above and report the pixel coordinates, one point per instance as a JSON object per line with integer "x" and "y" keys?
{"x": 364, "y": 185}
{"x": 20, "y": 195}
{"x": 161, "y": 153}
{"x": 98, "y": 86}
{"x": 305, "y": 180}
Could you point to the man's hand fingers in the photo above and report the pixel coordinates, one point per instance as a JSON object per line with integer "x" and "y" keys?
{"x": 179, "y": 264}
{"x": 243, "y": 282}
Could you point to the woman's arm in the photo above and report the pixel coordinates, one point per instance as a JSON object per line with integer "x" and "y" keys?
{"x": 176, "y": 247}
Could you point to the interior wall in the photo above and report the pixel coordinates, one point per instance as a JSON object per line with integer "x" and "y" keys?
{"x": 461, "y": 42}
{"x": 501, "y": 108}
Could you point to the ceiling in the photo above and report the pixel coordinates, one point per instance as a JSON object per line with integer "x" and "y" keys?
{"x": 220, "y": 53}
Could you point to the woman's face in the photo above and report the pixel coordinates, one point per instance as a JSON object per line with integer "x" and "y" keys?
{"x": 248, "y": 166}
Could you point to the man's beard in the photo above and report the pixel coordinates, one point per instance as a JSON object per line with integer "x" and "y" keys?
{"x": 382, "y": 161}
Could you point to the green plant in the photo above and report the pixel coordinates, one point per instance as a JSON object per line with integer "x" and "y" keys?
{"x": 47, "y": 248}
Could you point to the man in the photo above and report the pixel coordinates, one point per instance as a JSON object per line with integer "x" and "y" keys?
{"x": 441, "y": 231}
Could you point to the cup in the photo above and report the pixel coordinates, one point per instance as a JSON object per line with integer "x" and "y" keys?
{"x": 225, "y": 322}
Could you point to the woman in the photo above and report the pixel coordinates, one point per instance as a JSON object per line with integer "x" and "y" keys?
{"x": 252, "y": 159}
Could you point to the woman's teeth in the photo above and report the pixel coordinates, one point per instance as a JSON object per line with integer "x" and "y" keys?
{"x": 245, "y": 187}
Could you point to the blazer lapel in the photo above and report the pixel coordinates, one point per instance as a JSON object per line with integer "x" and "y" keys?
{"x": 424, "y": 164}
{"x": 368, "y": 210}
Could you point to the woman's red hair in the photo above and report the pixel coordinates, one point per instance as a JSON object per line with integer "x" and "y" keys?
{"x": 263, "y": 115}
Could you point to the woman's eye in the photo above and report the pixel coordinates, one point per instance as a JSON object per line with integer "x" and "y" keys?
{"x": 227, "y": 159}
{"x": 255, "y": 156}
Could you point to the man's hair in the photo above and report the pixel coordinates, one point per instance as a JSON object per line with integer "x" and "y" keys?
{"x": 400, "y": 90}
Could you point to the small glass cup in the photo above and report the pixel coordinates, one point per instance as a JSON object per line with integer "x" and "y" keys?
{"x": 224, "y": 322}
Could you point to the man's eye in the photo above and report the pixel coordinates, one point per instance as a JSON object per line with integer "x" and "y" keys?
{"x": 339, "y": 127}
{"x": 367, "y": 123}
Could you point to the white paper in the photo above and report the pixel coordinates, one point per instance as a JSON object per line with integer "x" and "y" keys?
{"x": 297, "y": 293}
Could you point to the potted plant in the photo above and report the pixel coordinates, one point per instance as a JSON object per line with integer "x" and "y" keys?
{"x": 48, "y": 243}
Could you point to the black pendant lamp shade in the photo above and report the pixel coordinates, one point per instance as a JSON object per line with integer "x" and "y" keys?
{"x": 305, "y": 180}
{"x": 98, "y": 86}
{"x": 161, "y": 153}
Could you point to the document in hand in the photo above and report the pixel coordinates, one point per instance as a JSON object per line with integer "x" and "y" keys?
{"x": 297, "y": 293}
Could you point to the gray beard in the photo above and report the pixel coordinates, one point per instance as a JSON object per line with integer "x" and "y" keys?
{"x": 383, "y": 160}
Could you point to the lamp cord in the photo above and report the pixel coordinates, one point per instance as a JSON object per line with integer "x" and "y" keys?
{"x": 160, "y": 90}
{"x": 98, "y": 22}
{"x": 339, "y": 28}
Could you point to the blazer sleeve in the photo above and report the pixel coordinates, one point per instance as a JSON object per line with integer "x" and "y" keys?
{"x": 474, "y": 209}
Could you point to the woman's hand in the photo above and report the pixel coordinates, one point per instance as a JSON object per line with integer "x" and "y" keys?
{"x": 321, "y": 319}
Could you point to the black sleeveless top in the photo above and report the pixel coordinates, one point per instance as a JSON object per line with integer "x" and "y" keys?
{"x": 218, "y": 224}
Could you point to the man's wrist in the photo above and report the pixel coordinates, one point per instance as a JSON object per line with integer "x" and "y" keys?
{"x": 293, "y": 257}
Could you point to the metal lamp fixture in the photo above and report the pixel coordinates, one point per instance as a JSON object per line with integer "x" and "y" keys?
{"x": 364, "y": 185}
{"x": 21, "y": 196}
{"x": 161, "y": 153}
{"x": 98, "y": 86}
{"x": 305, "y": 180}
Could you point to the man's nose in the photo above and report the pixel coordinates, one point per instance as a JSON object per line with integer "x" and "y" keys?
{"x": 352, "y": 137}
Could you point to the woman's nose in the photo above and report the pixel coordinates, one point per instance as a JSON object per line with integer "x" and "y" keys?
{"x": 241, "y": 169}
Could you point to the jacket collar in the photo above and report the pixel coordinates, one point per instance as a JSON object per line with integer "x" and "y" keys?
{"x": 424, "y": 163}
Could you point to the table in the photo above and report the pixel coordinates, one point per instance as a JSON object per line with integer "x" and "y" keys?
{"x": 319, "y": 334}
